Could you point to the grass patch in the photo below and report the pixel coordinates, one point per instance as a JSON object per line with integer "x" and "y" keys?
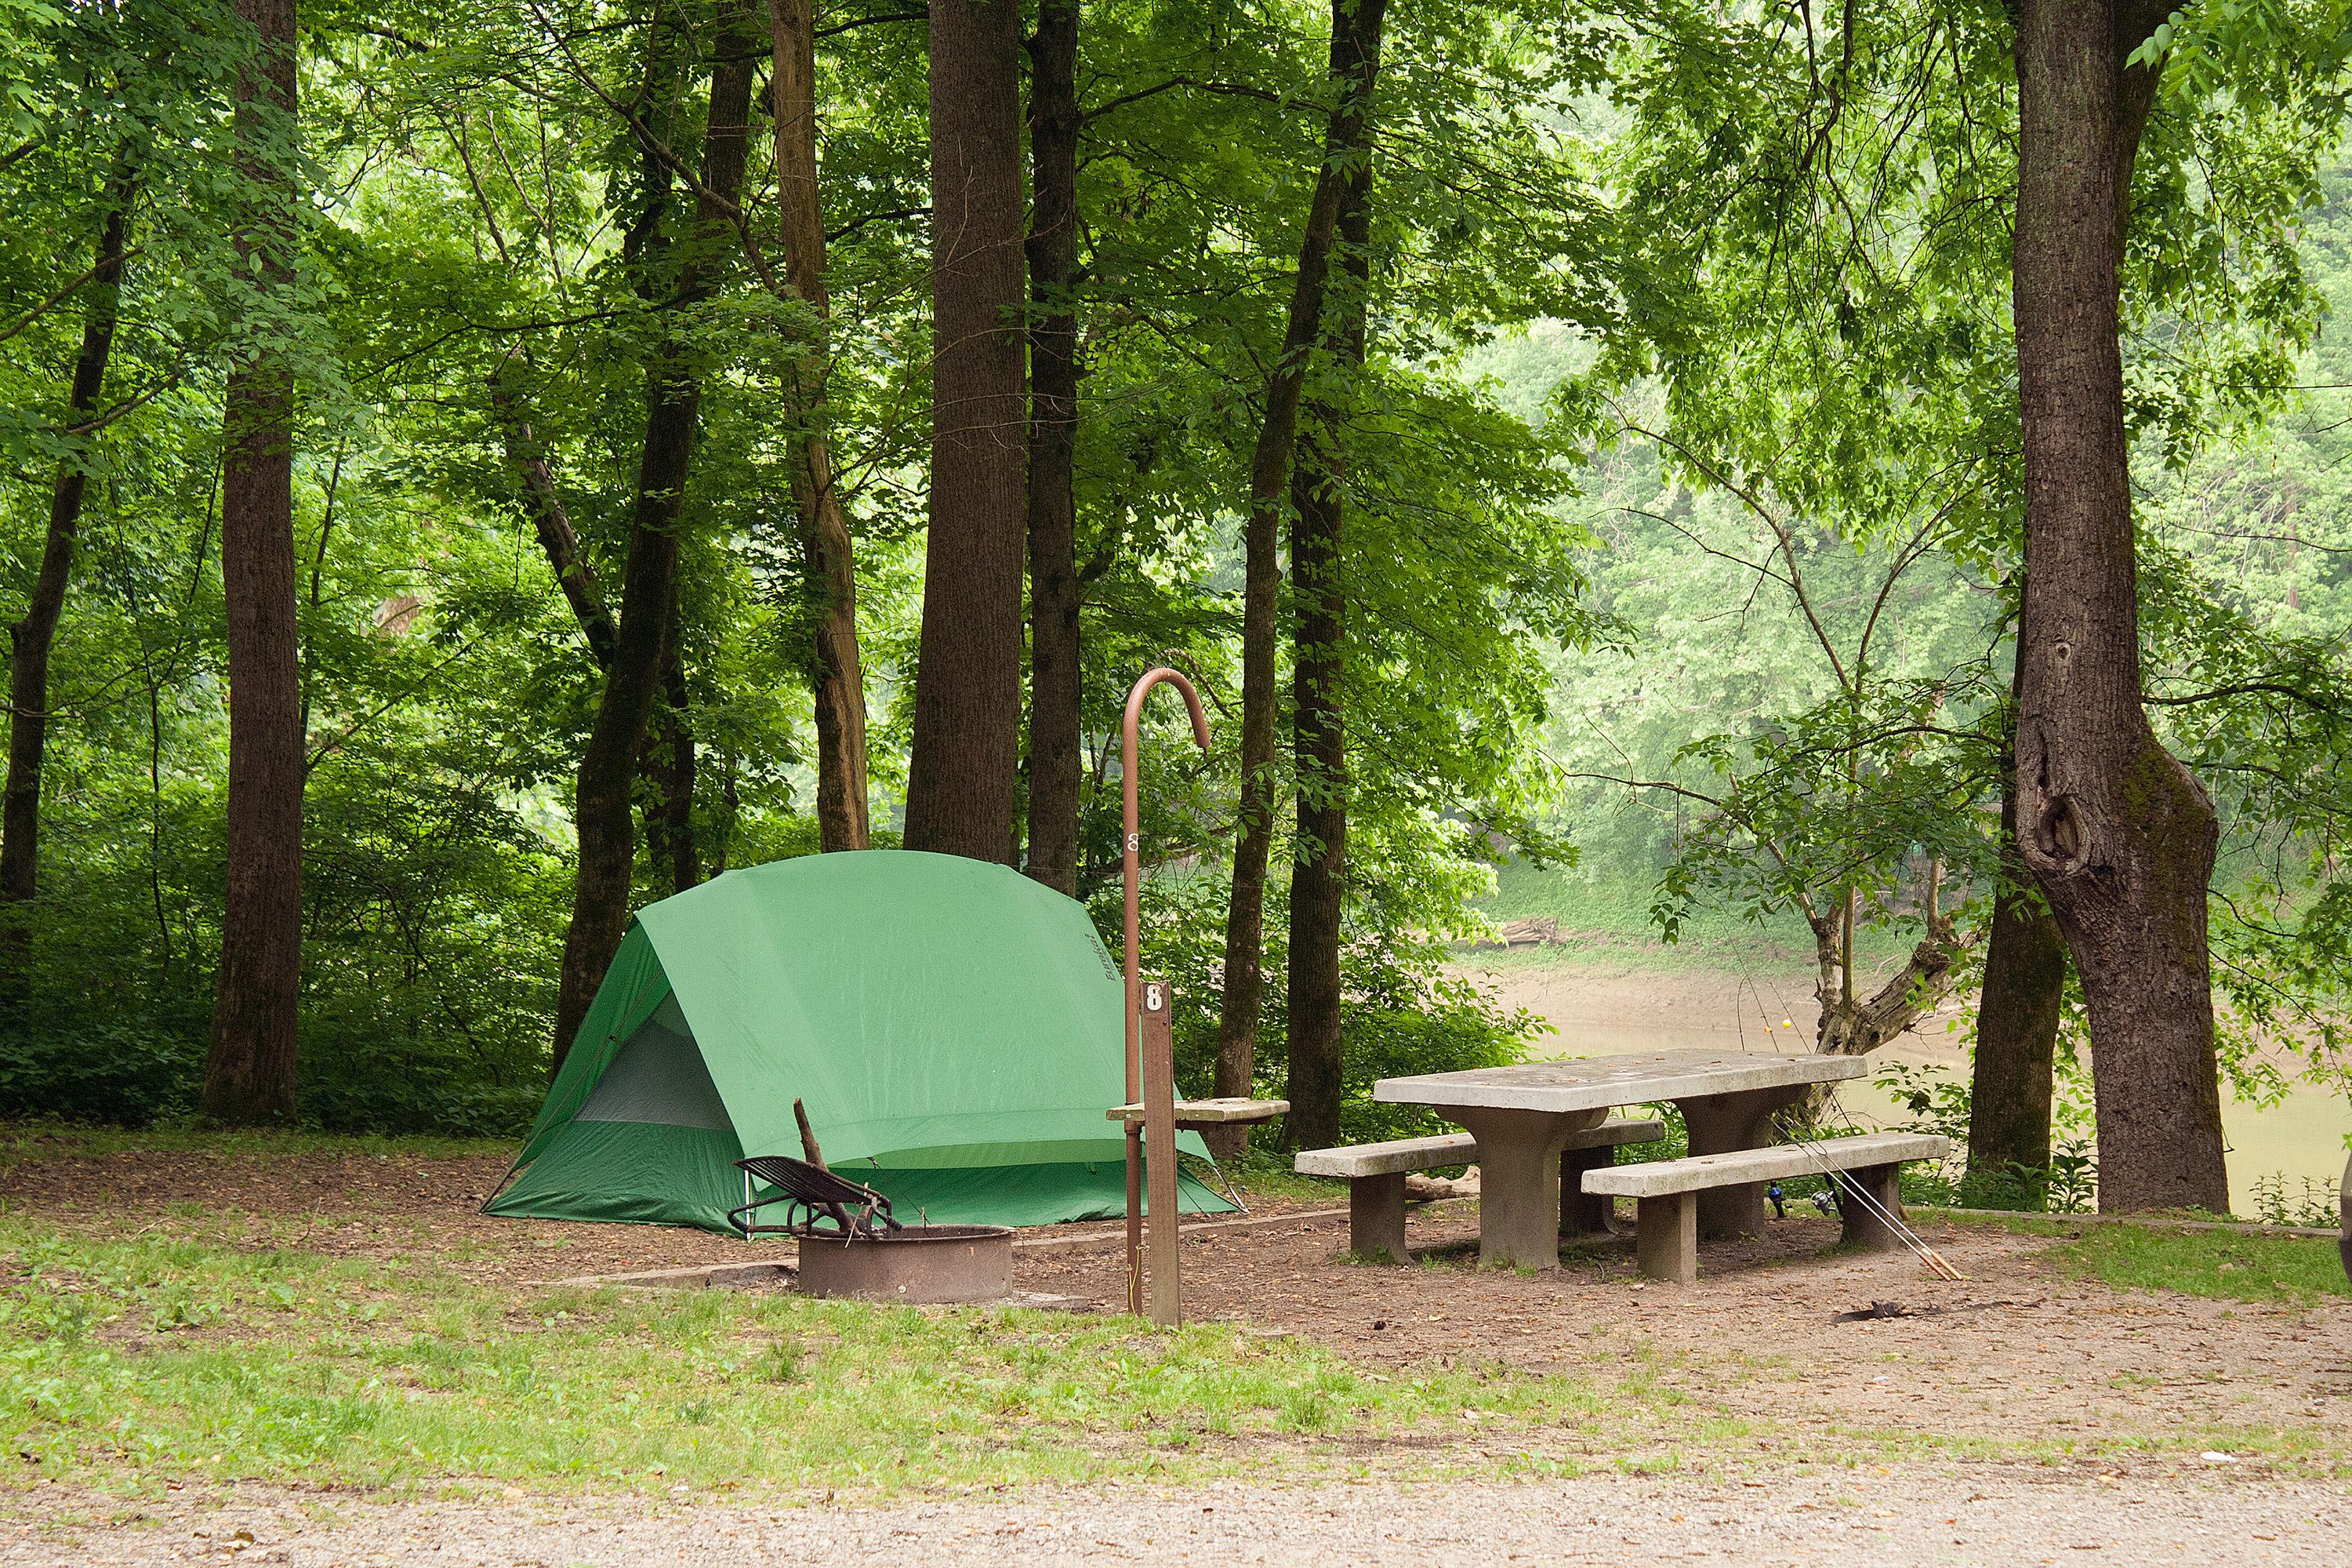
{"x": 2219, "y": 1265}
{"x": 127, "y": 1363}
{"x": 1264, "y": 1174}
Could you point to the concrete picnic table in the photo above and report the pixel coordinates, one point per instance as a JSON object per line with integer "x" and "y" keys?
{"x": 1521, "y": 1115}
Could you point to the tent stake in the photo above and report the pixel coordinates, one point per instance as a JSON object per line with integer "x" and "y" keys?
{"x": 1129, "y": 773}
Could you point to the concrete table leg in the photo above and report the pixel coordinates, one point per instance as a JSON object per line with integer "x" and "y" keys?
{"x": 1582, "y": 1213}
{"x": 1518, "y": 1180}
{"x": 1721, "y": 1124}
{"x": 1863, "y": 1228}
{"x": 1665, "y": 1237}
{"x": 1376, "y": 1217}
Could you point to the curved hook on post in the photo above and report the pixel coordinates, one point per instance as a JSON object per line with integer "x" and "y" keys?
{"x": 1131, "y": 856}
{"x": 1129, "y": 774}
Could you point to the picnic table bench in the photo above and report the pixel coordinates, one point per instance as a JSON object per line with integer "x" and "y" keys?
{"x": 1523, "y": 1117}
{"x": 1375, "y": 1175}
{"x": 1666, "y": 1191}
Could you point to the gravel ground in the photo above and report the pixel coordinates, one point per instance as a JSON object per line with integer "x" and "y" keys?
{"x": 1912, "y": 1516}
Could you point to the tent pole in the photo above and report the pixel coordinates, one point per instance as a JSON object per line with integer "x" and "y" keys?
{"x": 1129, "y": 773}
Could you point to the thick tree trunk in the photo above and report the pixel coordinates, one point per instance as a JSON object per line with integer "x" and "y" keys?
{"x": 1057, "y": 760}
{"x": 2017, "y": 1028}
{"x": 249, "y": 1068}
{"x": 836, "y": 671}
{"x": 35, "y": 633}
{"x": 2118, "y": 833}
{"x": 1354, "y": 67}
{"x": 967, "y": 729}
{"x": 601, "y": 810}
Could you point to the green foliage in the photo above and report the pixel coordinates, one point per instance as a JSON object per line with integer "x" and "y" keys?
{"x": 1803, "y": 428}
{"x": 1681, "y": 487}
{"x": 1405, "y": 1013}
{"x": 489, "y": 189}
{"x": 2315, "y": 1202}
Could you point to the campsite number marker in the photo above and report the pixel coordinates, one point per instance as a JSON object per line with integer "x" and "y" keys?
{"x": 1160, "y": 1146}
{"x": 1159, "y": 1097}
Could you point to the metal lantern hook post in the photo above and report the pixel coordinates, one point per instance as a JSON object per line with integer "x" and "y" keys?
{"x": 1164, "y": 1144}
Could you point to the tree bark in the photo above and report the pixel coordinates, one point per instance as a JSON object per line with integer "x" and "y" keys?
{"x": 829, "y": 566}
{"x": 1854, "y": 1026}
{"x": 250, "y": 1067}
{"x": 1318, "y": 592}
{"x": 1056, "y": 759}
{"x": 666, "y": 760}
{"x": 601, "y": 811}
{"x": 574, "y": 574}
{"x": 674, "y": 736}
{"x": 2118, "y": 835}
{"x": 2017, "y": 1022}
{"x": 1318, "y": 877}
{"x": 966, "y": 722}
{"x": 1354, "y": 67}
{"x": 2344, "y": 1208}
{"x": 32, "y": 636}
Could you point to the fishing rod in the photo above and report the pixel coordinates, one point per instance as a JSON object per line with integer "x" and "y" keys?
{"x": 1848, "y": 1187}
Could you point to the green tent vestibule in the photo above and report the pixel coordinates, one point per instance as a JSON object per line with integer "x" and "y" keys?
{"x": 954, "y": 1029}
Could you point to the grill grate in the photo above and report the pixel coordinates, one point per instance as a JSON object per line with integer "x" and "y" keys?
{"x": 811, "y": 1194}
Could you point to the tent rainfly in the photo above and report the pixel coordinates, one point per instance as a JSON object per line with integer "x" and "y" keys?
{"x": 954, "y": 1029}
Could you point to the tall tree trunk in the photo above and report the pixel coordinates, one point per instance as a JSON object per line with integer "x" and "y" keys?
{"x": 249, "y": 1068}
{"x": 601, "y": 812}
{"x": 2118, "y": 833}
{"x": 34, "y": 634}
{"x": 829, "y": 566}
{"x": 1318, "y": 878}
{"x": 2343, "y": 1209}
{"x": 1057, "y": 760}
{"x": 2017, "y": 1024}
{"x": 1355, "y": 68}
{"x": 1318, "y": 592}
{"x": 967, "y": 729}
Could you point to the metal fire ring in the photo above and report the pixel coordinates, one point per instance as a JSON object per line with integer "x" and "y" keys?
{"x": 932, "y": 1263}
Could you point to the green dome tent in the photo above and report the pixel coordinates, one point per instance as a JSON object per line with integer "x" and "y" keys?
{"x": 952, "y": 1027}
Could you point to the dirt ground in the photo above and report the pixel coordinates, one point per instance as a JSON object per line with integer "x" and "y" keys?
{"x": 2018, "y": 1352}
{"x": 345, "y": 1205}
{"x": 2017, "y": 1360}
